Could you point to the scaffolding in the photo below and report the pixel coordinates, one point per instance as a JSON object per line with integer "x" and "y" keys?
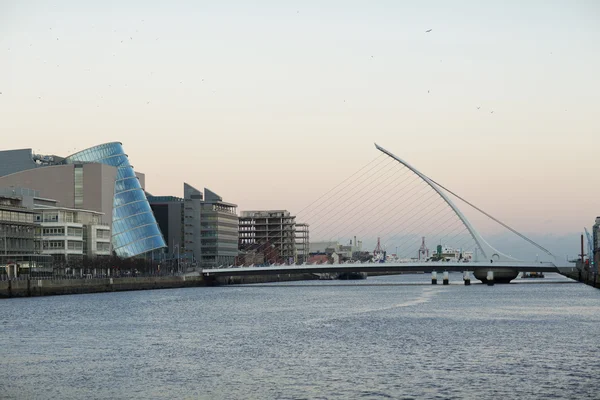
{"x": 274, "y": 227}
{"x": 302, "y": 243}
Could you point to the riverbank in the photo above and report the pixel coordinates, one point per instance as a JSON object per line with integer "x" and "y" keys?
{"x": 56, "y": 287}
{"x": 584, "y": 276}
{"x": 53, "y": 287}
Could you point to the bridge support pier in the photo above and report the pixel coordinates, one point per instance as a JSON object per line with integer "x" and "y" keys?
{"x": 434, "y": 278}
{"x": 490, "y": 278}
{"x": 446, "y": 280}
{"x": 499, "y": 275}
{"x": 467, "y": 278}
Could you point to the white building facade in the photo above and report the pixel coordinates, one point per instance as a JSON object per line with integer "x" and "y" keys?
{"x": 71, "y": 234}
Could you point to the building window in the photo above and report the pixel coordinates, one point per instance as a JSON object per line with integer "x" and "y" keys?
{"x": 69, "y": 217}
{"x": 54, "y": 232}
{"x": 78, "y": 185}
{"x": 72, "y": 231}
{"x": 51, "y": 217}
{"x": 103, "y": 246}
{"x": 54, "y": 244}
{"x": 74, "y": 245}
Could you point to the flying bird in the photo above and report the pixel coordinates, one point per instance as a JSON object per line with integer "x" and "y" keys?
{"x": 478, "y": 107}
{"x": 428, "y": 30}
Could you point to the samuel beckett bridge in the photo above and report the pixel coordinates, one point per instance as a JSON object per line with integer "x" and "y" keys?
{"x": 389, "y": 198}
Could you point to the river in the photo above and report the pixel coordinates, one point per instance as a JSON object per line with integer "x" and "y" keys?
{"x": 384, "y": 337}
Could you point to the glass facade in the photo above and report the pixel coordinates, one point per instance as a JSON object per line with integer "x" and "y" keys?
{"x": 134, "y": 228}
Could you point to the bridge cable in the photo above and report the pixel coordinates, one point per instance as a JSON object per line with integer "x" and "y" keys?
{"x": 495, "y": 219}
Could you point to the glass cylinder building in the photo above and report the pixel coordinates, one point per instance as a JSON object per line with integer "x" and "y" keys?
{"x": 134, "y": 228}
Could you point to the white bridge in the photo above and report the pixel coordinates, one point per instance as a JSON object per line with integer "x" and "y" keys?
{"x": 385, "y": 267}
{"x": 404, "y": 216}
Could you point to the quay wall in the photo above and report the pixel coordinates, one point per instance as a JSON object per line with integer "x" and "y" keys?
{"x": 54, "y": 287}
{"x": 584, "y": 276}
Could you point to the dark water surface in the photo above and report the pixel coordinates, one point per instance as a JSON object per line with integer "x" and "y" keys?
{"x": 385, "y": 337}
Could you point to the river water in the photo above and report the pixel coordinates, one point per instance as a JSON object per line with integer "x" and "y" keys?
{"x": 384, "y": 337}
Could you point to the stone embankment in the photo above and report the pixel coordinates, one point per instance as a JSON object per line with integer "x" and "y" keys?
{"x": 52, "y": 287}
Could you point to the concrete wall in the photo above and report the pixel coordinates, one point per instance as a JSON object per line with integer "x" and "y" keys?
{"x": 34, "y": 287}
{"x": 99, "y": 189}
{"x": 587, "y": 277}
{"x": 58, "y": 183}
{"x": 55, "y": 182}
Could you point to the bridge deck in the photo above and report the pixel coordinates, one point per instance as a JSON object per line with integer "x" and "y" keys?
{"x": 381, "y": 267}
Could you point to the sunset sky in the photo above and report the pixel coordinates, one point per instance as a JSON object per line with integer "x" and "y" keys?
{"x": 271, "y": 103}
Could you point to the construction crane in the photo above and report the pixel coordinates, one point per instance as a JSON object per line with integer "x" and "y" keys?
{"x": 590, "y": 250}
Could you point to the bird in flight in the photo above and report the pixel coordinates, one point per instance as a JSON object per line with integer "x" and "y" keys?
{"x": 478, "y": 107}
{"x": 428, "y": 30}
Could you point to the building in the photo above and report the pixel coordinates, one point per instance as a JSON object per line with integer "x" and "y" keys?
{"x": 192, "y": 198}
{"x": 70, "y": 234}
{"x": 302, "y": 243}
{"x": 18, "y": 253}
{"x": 99, "y": 179}
{"x": 218, "y": 231}
{"x": 200, "y": 228}
{"x": 169, "y": 214}
{"x": 346, "y": 252}
{"x": 273, "y": 231}
{"x": 596, "y": 243}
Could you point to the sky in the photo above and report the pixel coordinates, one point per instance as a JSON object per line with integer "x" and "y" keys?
{"x": 272, "y": 103}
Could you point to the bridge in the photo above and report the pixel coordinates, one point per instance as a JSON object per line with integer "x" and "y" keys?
{"x": 390, "y": 197}
{"x": 502, "y": 272}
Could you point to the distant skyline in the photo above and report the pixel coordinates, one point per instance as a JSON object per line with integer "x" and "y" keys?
{"x": 270, "y": 104}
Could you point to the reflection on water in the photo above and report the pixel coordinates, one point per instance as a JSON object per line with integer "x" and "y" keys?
{"x": 385, "y": 337}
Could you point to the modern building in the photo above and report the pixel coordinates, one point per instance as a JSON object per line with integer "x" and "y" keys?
{"x": 302, "y": 243}
{"x": 219, "y": 229}
{"x": 200, "y": 228}
{"x": 273, "y": 231}
{"x": 192, "y": 206}
{"x": 596, "y": 243}
{"x": 98, "y": 179}
{"x": 169, "y": 214}
{"x": 70, "y": 234}
{"x": 18, "y": 253}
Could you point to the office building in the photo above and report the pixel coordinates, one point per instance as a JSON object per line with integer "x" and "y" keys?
{"x": 70, "y": 234}
{"x": 200, "y": 229}
{"x": 18, "y": 253}
{"x": 169, "y": 214}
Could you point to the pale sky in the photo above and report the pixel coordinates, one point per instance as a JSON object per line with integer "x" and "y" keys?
{"x": 270, "y": 103}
